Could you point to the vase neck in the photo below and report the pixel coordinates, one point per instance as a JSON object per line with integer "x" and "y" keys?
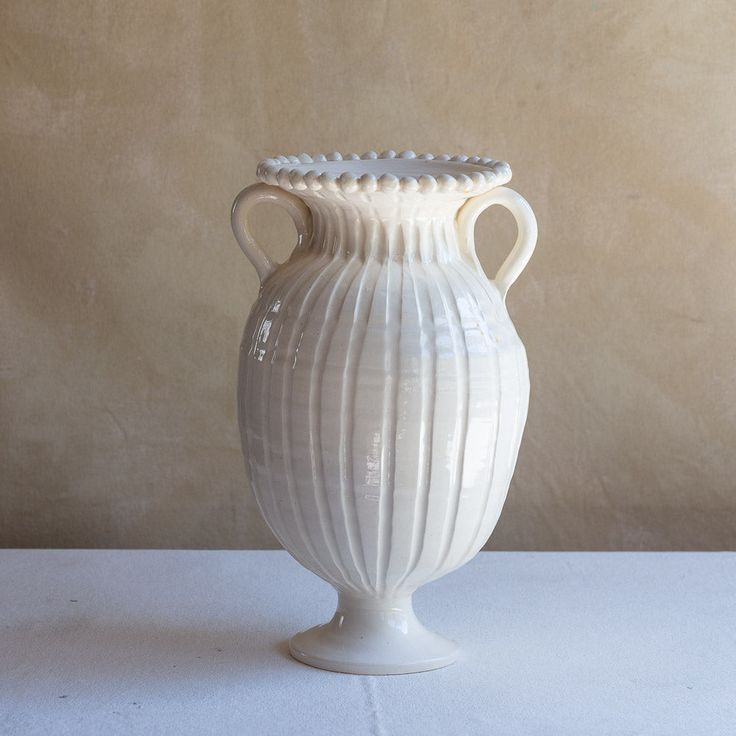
{"x": 416, "y": 229}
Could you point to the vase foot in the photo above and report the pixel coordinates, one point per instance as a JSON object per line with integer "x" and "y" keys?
{"x": 369, "y": 636}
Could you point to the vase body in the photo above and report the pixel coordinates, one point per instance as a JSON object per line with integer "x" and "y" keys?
{"x": 383, "y": 392}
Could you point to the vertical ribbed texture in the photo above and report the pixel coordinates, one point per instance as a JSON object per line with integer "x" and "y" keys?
{"x": 308, "y": 300}
{"x": 428, "y": 381}
{"x": 335, "y": 299}
{"x": 275, "y": 299}
{"x": 383, "y": 392}
{"x": 460, "y": 431}
{"x": 355, "y": 342}
{"x": 392, "y": 333}
{"x": 480, "y": 304}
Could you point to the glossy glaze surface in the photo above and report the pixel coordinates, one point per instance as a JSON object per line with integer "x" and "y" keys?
{"x": 383, "y": 388}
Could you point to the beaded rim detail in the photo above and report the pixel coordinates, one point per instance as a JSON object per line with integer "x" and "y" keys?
{"x": 484, "y": 174}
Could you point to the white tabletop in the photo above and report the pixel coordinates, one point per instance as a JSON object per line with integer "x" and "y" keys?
{"x": 159, "y": 642}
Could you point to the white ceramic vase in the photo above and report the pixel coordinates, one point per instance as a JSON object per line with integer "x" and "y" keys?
{"x": 383, "y": 389}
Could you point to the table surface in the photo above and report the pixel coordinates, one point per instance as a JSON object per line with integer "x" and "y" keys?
{"x": 191, "y": 642}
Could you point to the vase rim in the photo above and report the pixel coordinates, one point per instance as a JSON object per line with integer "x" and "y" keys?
{"x": 388, "y": 172}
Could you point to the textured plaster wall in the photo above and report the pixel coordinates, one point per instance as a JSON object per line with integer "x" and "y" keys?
{"x": 127, "y": 128}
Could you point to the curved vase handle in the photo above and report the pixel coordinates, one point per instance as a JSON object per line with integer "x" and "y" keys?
{"x": 525, "y": 221}
{"x": 245, "y": 201}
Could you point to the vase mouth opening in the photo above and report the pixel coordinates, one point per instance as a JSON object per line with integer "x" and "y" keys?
{"x": 386, "y": 172}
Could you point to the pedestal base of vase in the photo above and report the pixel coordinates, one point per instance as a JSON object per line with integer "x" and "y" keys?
{"x": 371, "y": 636}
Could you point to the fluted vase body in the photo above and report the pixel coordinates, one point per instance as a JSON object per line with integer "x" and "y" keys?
{"x": 383, "y": 390}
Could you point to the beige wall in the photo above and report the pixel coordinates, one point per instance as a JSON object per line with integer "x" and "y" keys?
{"x": 128, "y": 127}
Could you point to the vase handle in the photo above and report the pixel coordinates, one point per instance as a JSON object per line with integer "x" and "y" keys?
{"x": 245, "y": 201}
{"x": 526, "y": 223}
